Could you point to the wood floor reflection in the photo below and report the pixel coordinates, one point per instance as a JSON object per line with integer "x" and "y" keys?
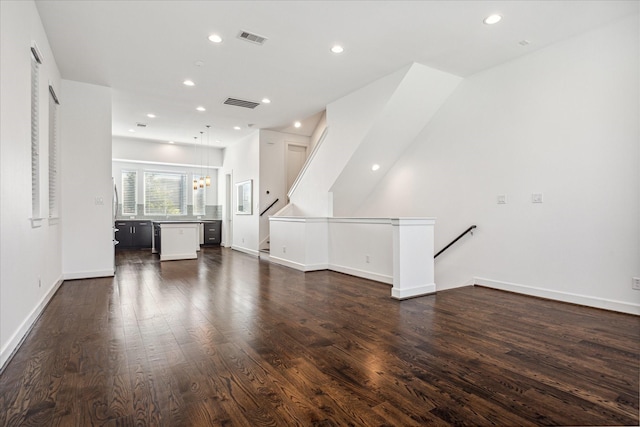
{"x": 231, "y": 340}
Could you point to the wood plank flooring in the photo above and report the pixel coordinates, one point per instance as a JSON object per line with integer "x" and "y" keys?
{"x": 231, "y": 340}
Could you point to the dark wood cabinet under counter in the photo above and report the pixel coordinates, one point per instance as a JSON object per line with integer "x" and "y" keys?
{"x": 212, "y": 232}
{"x": 133, "y": 234}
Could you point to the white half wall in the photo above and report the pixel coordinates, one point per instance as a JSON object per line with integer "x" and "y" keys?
{"x": 562, "y": 121}
{"x": 87, "y": 228}
{"x": 30, "y": 255}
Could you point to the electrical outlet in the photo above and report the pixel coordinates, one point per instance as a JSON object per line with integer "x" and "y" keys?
{"x": 367, "y": 259}
{"x": 284, "y": 249}
{"x": 502, "y": 199}
{"x": 99, "y": 201}
{"x": 635, "y": 284}
{"x": 536, "y": 198}
{"x": 243, "y": 240}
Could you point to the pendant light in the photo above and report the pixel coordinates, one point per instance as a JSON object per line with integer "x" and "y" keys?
{"x": 195, "y": 157}
{"x": 201, "y": 182}
{"x": 207, "y": 179}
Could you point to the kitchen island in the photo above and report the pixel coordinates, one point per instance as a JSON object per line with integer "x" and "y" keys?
{"x": 175, "y": 240}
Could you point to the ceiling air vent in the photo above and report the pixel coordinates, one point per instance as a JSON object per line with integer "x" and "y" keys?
{"x": 141, "y": 125}
{"x": 241, "y": 103}
{"x": 253, "y": 38}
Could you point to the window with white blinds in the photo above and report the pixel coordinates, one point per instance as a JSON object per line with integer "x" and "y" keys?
{"x": 165, "y": 193}
{"x": 199, "y": 199}
{"x": 54, "y": 210}
{"x": 129, "y": 192}
{"x": 35, "y": 134}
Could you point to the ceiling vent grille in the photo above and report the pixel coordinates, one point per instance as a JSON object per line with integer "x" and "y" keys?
{"x": 241, "y": 103}
{"x": 253, "y": 38}
{"x": 141, "y": 125}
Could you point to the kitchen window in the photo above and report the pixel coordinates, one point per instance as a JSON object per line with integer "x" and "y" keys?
{"x": 53, "y": 153}
{"x": 35, "y": 132}
{"x": 129, "y": 192}
{"x": 199, "y": 199}
{"x": 165, "y": 193}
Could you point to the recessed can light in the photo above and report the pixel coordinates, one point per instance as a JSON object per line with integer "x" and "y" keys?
{"x": 492, "y": 19}
{"x": 171, "y": 142}
{"x": 132, "y": 130}
{"x": 188, "y": 83}
{"x": 201, "y": 108}
{"x": 266, "y": 101}
{"x": 375, "y": 167}
{"x": 236, "y": 127}
{"x": 337, "y": 49}
{"x": 151, "y": 116}
{"x": 214, "y": 38}
{"x": 297, "y": 124}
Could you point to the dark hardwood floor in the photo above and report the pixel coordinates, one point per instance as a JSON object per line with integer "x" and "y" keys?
{"x": 230, "y": 340}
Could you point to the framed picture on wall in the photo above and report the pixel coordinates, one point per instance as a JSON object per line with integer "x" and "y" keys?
{"x": 244, "y": 197}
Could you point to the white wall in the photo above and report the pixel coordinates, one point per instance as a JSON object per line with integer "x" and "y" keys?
{"x": 242, "y": 161}
{"x": 273, "y": 173}
{"x": 563, "y": 121}
{"x": 141, "y": 150}
{"x": 30, "y": 260}
{"x": 348, "y": 120}
{"x": 87, "y": 235}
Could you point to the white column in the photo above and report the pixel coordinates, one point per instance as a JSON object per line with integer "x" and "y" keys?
{"x": 413, "y": 269}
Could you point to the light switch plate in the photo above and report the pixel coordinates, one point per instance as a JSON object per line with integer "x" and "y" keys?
{"x": 536, "y": 198}
{"x": 502, "y": 199}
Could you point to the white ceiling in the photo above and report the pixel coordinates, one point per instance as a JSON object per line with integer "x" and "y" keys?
{"x": 143, "y": 50}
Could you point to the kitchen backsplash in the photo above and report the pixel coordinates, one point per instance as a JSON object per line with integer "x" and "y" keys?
{"x": 211, "y": 212}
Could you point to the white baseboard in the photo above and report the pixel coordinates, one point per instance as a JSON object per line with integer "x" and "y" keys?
{"x": 248, "y": 251}
{"x": 417, "y": 291}
{"x": 589, "y": 301}
{"x": 362, "y": 273}
{"x": 177, "y": 257}
{"x": 88, "y": 274}
{"x": 16, "y": 339}
{"x": 287, "y": 263}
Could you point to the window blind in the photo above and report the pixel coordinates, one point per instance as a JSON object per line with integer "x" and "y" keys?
{"x": 165, "y": 193}
{"x": 35, "y": 135}
{"x": 199, "y": 199}
{"x": 129, "y": 192}
{"x": 53, "y": 154}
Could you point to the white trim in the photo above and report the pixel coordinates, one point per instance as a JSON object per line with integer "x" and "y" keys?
{"x": 88, "y": 274}
{"x": 21, "y": 333}
{"x": 606, "y": 304}
{"x": 147, "y": 162}
{"x": 308, "y": 162}
{"x": 176, "y": 257}
{"x": 291, "y": 264}
{"x": 247, "y": 251}
{"x": 362, "y": 273}
{"x": 417, "y": 291}
{"x": 354, "y": 220}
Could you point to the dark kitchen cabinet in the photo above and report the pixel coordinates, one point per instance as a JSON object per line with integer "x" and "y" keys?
{"x": 212, "y": 232}
{"x": 133, "y": 234}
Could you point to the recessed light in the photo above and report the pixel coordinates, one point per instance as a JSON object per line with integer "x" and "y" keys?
{"x": 297, "y": 124}
{"x": 171, "y": 142}
{"x": 215, "y": 38}
{"x": 151, "y": 116}
{"x": 218, "y": 141}
{"x": 236, "y": 127}
{"x": 266, "y": 101}
{"x": 201, "y": 108}
{"x": 188, "y": 83}
{"x": 132, "y": 130}
{"x": 524, "y": 42}
{"x": 492, "y": 19}
{"x": 375, "y": 167}
{"x": 337, "y": 49}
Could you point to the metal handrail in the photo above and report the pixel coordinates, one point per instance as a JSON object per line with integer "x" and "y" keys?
{"x": 270, "y": 206}
{"x": 455, "y": 240}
